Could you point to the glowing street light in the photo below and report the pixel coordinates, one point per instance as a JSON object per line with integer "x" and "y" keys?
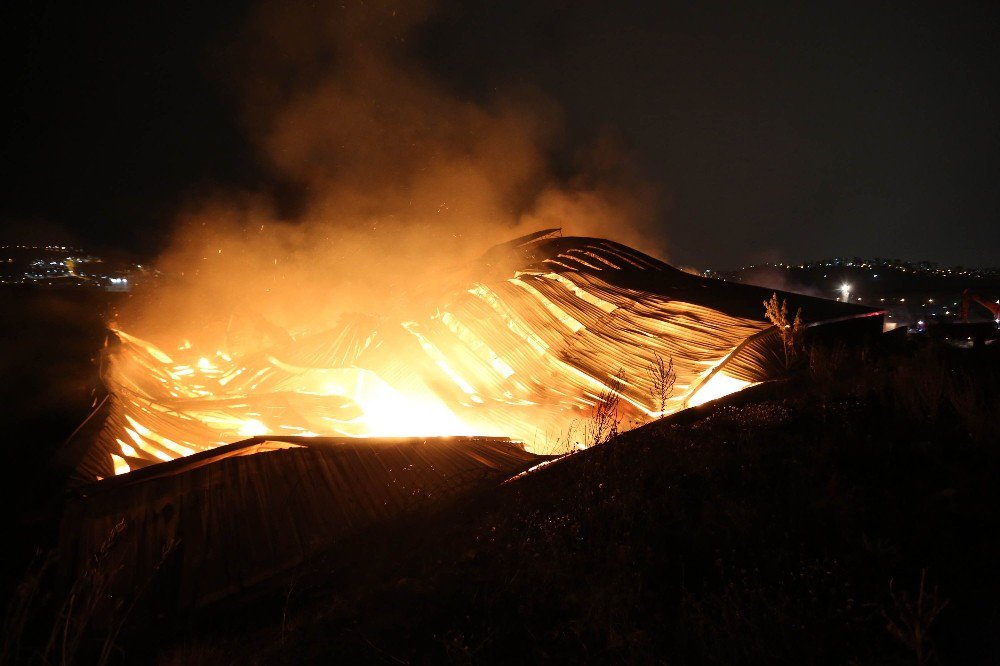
{"x": 845, "y": 291}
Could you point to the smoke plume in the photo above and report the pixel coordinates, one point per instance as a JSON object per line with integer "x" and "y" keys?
{"x": 389, "y": 178}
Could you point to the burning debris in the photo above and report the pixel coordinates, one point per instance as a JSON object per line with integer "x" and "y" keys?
{"x": 524, "y": 353}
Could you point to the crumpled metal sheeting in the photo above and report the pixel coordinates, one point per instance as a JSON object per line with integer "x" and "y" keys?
{"x": 227, "y": 521}
{"x": 525, "y": 356}
{"x": 642, "y": 325}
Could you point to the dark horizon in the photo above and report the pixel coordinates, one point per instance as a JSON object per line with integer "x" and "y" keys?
{"x": 786, "y": 133}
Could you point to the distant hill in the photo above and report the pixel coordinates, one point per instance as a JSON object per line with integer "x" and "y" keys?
{"x": 909, "y": 291}
{"x": 61, "y": 266}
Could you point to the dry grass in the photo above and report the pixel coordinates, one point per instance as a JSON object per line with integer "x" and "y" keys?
{"x": 604, "y": 422}
{"x": 792, "y": 331}
{"x": 910, "y": 617}
{"x": 49, "y": 622}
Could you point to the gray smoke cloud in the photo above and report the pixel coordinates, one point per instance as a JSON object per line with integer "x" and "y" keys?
{"x": 401, "y": 178}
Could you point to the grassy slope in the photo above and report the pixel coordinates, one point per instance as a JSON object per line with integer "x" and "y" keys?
{"x": 764, "y": 533}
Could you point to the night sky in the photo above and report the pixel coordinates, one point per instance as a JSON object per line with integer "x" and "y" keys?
{"x": 778, "y": 132}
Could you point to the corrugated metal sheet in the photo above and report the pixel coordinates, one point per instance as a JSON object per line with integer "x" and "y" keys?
{"x": 523, "y": 353}
{"x": 231, "y": 517}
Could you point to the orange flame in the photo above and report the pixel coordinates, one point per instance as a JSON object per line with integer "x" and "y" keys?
{"x": 525, "y": 357}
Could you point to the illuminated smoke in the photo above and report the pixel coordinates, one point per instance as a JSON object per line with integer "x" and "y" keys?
{"x": 324, "y": 310}
{"x": 395, "y": 179}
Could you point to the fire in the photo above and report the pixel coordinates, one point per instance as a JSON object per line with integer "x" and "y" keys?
{"x": 227, "y": 400}
{"x": 718, "y": 386}
{"x": 252, "y": 428}
{"x": 522, "y": 357}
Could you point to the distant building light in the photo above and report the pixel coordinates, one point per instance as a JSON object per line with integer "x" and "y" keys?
{"x": 118, "y": 284}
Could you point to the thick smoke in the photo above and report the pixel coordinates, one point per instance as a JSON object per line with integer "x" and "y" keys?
{"x": 395, "y": 180}
{"x": 772, "y": 277}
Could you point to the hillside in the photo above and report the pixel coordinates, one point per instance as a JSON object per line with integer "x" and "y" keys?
{"x": 789, "y": 523}
{"x": 795, "y": 527}
{"x": 909, "y": 291}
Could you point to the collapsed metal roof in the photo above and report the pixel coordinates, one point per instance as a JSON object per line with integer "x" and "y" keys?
{"x": 542, "y": 328}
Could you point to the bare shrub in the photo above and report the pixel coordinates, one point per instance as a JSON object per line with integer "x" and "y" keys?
{"x": 571, "y": 443}
{"x": 662, "y": 379}
{"x": 604, "y": 418}
{"x": 909, "y": 620}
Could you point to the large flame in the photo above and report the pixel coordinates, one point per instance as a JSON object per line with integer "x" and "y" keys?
{"x": 527, "y": 357}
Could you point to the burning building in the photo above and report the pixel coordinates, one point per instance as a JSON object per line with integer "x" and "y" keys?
{"x": 524, "y": 350}
{"x": 276, "y": 446}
